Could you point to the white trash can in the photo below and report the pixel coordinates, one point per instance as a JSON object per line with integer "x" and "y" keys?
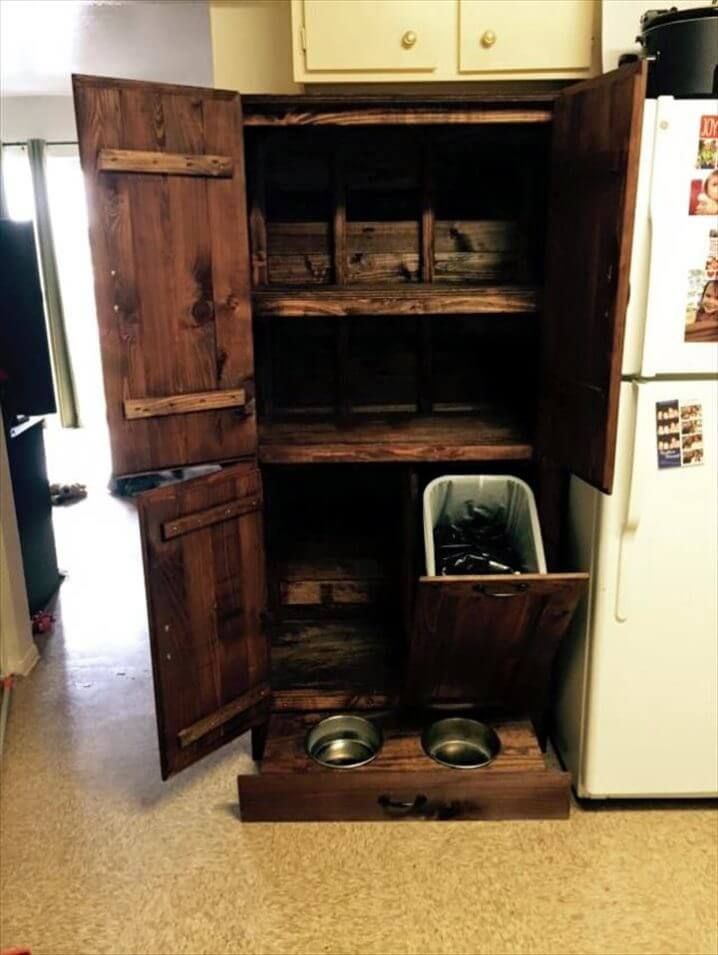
{"x": 446, "y": 498}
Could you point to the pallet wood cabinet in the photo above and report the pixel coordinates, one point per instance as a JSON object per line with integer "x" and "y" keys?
{"x": 397, "y": 287}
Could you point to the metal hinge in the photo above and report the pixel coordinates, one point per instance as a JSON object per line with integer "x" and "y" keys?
{"x": 303, "y": 38}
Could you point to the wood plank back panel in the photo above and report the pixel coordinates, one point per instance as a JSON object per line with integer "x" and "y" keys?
{"x": 489, "y": 640}
{"x": 205, "y": 581}
{"x": 171, "y": 266}
{"x": 596, "y": 144}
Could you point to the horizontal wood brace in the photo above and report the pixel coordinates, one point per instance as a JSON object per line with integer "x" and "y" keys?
{"x": 224, "y": 714}
{"x": 183, "y": 404}
{"x": 211, "y": 515}
{"x": 165, "y": 164}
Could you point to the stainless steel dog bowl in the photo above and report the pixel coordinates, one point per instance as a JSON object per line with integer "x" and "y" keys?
{"x": 461, "y": 743}
{"x": 344, "y": 741}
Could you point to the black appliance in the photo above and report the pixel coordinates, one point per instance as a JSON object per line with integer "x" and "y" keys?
{"x": 683, "y": 48}
{"x": 26, "y": 386}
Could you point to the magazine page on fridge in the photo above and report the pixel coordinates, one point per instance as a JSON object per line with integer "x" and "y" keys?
{"x": 637, "y": 711}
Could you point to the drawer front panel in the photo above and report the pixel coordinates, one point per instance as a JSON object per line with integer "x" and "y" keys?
{"x": 354, "y": 795}
{"x": 525, "y": 36}
{"x": 489, "y": 640}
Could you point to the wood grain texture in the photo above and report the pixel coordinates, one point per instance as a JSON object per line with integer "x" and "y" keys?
{"x": 306, "y": 700}
{"x": 206, "y": 596}
{"x": 224, "y": 714}
{"x": 489, "y": 640}
{"x": 167, "y": 164}
{"x": 416, "y": 300}
{"x": 307, "y": 115}
{"x": 345, "y": 658}
{"x": 171, "y": 267}
{"x": 182, "y": 404}
{"x": 258, "y": 226}
{"x": 211, "y": 515}
{"x": 594, "y": 171}
{"x": 492, "y": 437}
{"x": 291, "y": 786}
{"x": 312, "y": 593}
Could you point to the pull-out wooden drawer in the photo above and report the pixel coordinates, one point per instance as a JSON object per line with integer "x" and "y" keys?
{"x": 489, "y": 640}
{"x": 402, "y": 782}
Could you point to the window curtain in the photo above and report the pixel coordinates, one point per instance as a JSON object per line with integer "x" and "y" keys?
{"x": 62, "y": 366}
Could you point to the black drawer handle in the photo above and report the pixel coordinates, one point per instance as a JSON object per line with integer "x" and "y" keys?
{"x": 489, "y": 591}
{"x": 398, "y": 808}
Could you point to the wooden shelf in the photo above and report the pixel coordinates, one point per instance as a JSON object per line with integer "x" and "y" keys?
{"x": 438, "y": 437}
{"x": 414, "y": 299}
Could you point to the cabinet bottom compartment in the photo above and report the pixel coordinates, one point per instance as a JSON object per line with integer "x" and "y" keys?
{"x": 402, "y": 782}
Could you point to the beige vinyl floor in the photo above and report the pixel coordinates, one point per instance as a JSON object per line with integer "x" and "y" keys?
{"x": 98, "y": 855}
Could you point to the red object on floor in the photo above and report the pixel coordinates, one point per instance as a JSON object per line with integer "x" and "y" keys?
{"x": 42, "y": 622}
{"x": 16, "y": 951}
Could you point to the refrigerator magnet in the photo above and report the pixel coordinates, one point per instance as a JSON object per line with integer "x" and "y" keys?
{"x": 668, "y": 434}
{"x": 691, "y": 434}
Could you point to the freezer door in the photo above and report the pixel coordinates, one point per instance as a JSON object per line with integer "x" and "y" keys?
{"x": 638, "y": 703}
{"x": 681, "y": 305}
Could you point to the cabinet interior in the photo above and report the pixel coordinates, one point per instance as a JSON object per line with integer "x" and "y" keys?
{"x": 344, "y": 550}
{"x": 396, "y": 275}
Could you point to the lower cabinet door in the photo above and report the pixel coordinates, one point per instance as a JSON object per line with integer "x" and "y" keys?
{"x": 402, "y": 782}
{"x": 491, "y": 640}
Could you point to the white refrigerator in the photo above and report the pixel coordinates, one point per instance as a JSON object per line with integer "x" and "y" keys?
{"x": 637, "y": 701}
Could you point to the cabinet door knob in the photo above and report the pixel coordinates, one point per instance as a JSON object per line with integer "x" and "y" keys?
{"x": 409, "y": 39}
{"x": 488, "y": 38}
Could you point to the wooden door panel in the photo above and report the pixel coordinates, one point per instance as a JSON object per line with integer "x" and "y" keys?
{"x": 596, "y": 142}
{"x": 489, "y": 640}
{"x": 204, "y": 572}
{"x": 170, "y": 254}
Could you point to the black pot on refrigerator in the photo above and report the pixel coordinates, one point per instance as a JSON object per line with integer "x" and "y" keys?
{"x": 682, "y": 46}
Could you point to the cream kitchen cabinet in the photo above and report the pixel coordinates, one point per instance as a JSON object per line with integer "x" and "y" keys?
{"x": 525, "y": 35}
{"x": 380, "y": 41}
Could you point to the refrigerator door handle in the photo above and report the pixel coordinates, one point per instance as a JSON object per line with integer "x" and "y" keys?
{"x": 643, "y": 453}
{"x": 660, "y": 237}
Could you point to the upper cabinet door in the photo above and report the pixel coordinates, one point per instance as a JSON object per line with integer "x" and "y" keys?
{"x": 203, "y": 552}
{"x": 370, "y": 35}
{"x": 525, "y": 36}
{"x": 596, "y": 141}
{"x": 164, "y": 172}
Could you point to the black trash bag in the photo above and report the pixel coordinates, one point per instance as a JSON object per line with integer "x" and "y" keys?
{"x": 476, "y": 543}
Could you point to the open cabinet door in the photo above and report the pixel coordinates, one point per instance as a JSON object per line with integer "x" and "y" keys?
{"x": 594, "y": 172}
{"x": 164, "y": 173}
{"x": 203, "y": 551}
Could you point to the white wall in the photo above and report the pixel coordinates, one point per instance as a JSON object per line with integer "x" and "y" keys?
{"x": 42, "y": 42}
{"x": 37, "y": 117}
{"x": 622, "y": 24}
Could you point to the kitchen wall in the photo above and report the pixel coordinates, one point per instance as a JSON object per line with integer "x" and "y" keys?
{"x": 252, "y": 46}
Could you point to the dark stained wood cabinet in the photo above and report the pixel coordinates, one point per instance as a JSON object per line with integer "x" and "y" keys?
{"x": 398, "y": 287}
